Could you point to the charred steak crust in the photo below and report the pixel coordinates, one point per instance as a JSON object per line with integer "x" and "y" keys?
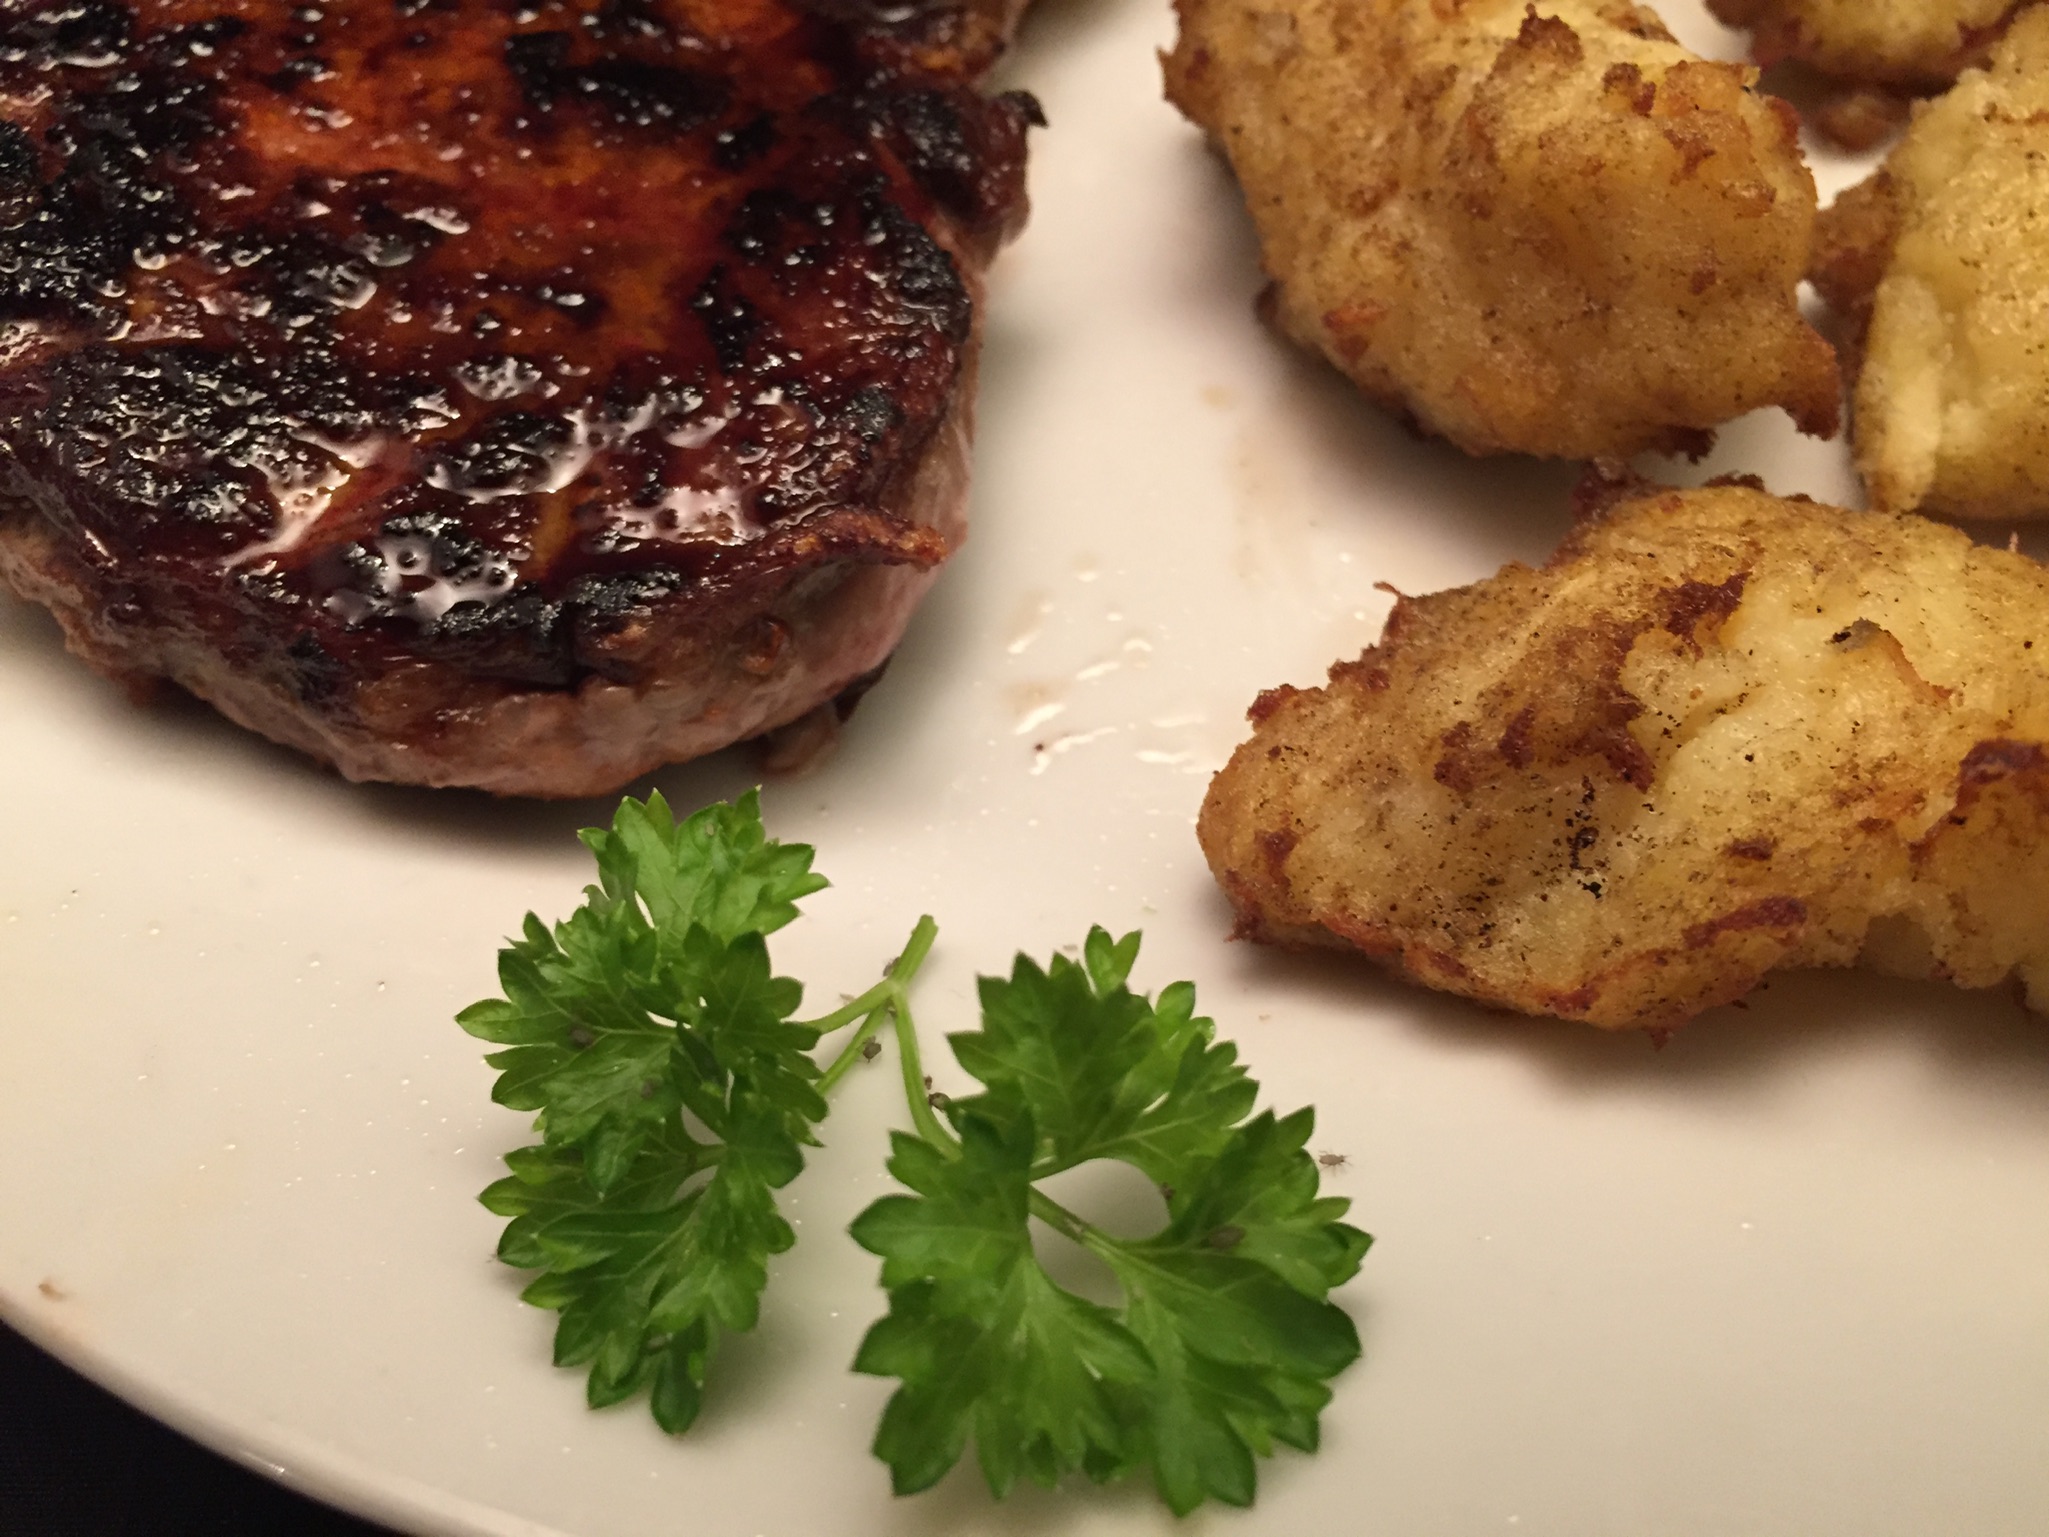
{"x": 512, "y": 394}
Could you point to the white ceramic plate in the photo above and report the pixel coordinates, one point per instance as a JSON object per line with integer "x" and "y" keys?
{"x": 1785, "y": 1276}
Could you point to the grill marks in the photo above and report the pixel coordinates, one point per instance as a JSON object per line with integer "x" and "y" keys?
{"x": 462, "y": 332}
{"x": 630, "y": 92}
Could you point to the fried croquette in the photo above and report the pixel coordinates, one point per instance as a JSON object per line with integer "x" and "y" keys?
{"x": 1939, "y": 261}
{"x": 1719, "y": 734}
{"x": 1915, "y": 44}
{"x": 1548, "y": 231}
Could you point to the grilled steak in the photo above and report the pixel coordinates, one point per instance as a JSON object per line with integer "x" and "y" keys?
{"x": 511, "y": 393}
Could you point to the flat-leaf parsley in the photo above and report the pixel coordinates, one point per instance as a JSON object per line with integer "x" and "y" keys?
{"x": 674, "y": 1091}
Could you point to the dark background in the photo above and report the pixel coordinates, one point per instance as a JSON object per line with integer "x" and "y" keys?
{"x": 77, "y": 1462}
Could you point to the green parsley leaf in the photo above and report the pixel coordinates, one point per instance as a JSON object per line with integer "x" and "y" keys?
{"x": 653, "y": 998}
{"x": 1227, "y": 1338}
{"x": 1229, "y": 1301}
{"x": 674, "y": 1093}
{"x": 1104, "y": 1072}
{"x": 718, "y": 869}
{"x": 983, "y": 1339}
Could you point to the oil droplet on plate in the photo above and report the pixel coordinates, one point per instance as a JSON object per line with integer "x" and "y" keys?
{"x": 1034, "y": 704}
{"x": 1043, "y": 753}
{"x": 1029, "y": 621}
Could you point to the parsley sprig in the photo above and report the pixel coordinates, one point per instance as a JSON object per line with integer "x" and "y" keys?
{"x": 675, "y": 1091}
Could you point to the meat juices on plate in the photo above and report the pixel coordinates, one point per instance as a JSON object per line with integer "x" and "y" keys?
{"x": 467, "y": 394}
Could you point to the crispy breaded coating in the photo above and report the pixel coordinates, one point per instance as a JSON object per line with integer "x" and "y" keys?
{"x": 1911, "y": 43}
{"x": 1940, "y": 261}
{"x": 1718, "y": 734}
{"x": 1541, "y": 230}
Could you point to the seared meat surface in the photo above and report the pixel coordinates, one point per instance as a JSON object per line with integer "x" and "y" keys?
{"x": 516, "y": 395}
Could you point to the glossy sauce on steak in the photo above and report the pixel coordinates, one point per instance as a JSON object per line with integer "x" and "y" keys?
{"x": 516, "y": 394}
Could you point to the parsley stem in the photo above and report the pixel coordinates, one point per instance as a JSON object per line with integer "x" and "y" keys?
{"x": 1059, "y": 1218}
{"x": 851, "y": 1052}
{"x": 854, "y": 1008}
{"x": 877, "y": 1003}
{"x": 916, "y": 1094}
{"x": 916, "y": 948}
